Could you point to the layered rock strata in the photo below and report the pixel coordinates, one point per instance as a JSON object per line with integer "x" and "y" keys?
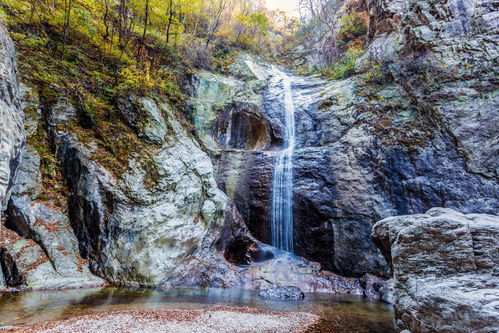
{"x": 445, "y": 270}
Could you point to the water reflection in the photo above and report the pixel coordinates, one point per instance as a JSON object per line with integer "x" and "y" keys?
{"x": 341, "y": 313}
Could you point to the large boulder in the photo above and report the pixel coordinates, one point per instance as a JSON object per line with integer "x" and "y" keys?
{"x": 283, "y": 293}
{"x": 445, "y": 270}
{"x": 11, "y": 117}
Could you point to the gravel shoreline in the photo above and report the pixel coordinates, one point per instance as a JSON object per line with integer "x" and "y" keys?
{"x": 219, "y": 319}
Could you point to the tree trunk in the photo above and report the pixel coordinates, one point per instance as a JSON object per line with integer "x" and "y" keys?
{"x": 170, "y": 19}
{"x": 67, "y": 22}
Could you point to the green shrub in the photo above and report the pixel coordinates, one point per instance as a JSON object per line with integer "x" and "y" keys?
{"x": 352, "y": 26}
{"x": 345, "y": 67}
{"x": 375, "y": 73}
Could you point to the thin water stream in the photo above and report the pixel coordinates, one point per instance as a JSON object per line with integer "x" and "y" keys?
{"x": 282, "y": 185}
{"x": 340, "y": 313}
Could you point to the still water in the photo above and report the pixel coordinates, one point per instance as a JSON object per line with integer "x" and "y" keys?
{"x": 340, "y": 313}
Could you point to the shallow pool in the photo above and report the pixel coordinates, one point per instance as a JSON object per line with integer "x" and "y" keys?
{"x": 340, "y": 313}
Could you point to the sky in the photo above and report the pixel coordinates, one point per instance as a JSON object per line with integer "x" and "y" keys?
{"x": 289, "y": 6}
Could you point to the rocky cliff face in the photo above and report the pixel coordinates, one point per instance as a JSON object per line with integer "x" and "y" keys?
{"x": 163, "y": 223}
{"x": 445, "y": 270}
{"x": 38, "y": 249}
{"x": 137, "y": 230}
{"x": 399, "y": 137}
{"x": 11, "y": 126}
{"x": 412, "y": 129}
{"x": 43, "y": 253}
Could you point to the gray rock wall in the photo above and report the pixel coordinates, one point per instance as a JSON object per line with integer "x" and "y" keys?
{"x": 47, "y": 231}
{"x": 138, "y": 229}
{"x": 456, "y": 43}
{"x": 11, "y": 117}
{"x": 445, "y": 270}
{"x": 416, "y": 133}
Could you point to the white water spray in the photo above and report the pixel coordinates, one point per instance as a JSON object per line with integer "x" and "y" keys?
{"x": 282, "y": 186}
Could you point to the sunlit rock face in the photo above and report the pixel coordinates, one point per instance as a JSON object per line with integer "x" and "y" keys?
{"x": 137, "y": 230}
{"x": 445, "y": 270}
{"x": 11, "y": 117}
{"x": 145, "y": 117}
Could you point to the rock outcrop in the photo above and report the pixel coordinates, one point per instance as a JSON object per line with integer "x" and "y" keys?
{"x": 445, "y": 270}
{"x": 38, "y": 249}
{"x": 398, "y": 137}
{"x": 282, "y": 293}
{"x": 455, "y": 43}
{"x": 403, "y": 134}
{"x": 43, "y": 253}
{"x": 145, "y": 117}
{"x": 11, "y": 116}
{"x": 138, "y": 229}
{"x": 163, "y": 223}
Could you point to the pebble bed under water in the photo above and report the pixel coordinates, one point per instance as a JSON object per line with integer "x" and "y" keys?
{"x": 339, "y": 313}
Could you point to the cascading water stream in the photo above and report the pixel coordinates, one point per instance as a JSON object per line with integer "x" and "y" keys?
{"x": 282, "y": 186}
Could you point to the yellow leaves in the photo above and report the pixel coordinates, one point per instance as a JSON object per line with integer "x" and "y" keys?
{"x": 135, "y": 78}
{"x": 3, "y": 15}
{"x": 17, "y": 36}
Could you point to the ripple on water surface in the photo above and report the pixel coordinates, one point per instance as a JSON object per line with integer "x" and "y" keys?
{"x": 339, "y": 313}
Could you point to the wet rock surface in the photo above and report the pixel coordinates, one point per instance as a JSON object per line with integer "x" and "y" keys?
{"x": 283, "y": 293}
{"x": 444, "y": 270}
{"x": 282, "y": 269}
{"x": 246, "y": 177}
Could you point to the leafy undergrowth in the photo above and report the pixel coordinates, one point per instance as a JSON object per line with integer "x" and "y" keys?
{"x": 93, "y": 75}
{"x": 53, "y": 189}
{"x": 345, "y": 66}
{"x": 87, "y": 79}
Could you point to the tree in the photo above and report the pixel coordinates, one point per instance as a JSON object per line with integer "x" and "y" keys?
{"x": 68, "y": 6}
{"x": 217, "y": 8}
{"x": 320, "y": 13}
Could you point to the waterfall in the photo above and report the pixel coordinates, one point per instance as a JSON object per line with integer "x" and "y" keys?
{"x": 282, "y": 185}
